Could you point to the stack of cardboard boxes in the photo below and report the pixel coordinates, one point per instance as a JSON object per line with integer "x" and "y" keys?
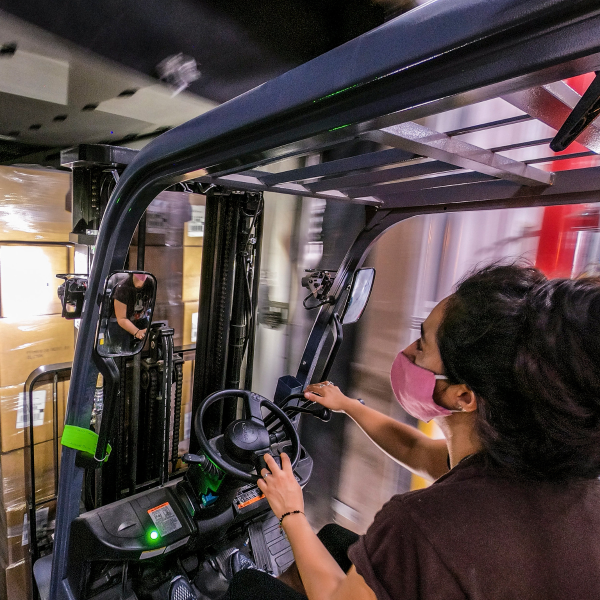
{"x": 35, "y": 221}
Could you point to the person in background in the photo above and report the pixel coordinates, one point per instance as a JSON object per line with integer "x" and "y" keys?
{"x": 132, "y": 301}
{"x": 508, "y": 368}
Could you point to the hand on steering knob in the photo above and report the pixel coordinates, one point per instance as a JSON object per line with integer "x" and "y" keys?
{"x": 280, "y": 487}
{"x": 327, "y": 394}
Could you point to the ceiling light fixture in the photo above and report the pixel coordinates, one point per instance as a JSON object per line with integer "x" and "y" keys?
{"x": 178, "y": 71}
{"x": 127, "y": 93}
{"x": 8, "y": 50}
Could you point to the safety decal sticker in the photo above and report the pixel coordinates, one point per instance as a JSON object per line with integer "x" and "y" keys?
{"x": 164, "y": 519}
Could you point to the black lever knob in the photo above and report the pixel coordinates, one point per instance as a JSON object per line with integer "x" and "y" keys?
{"x": 321, "y": 412}
{"x": 205, "y": 464}
{"x": 193, "y": 459}
{"x": 260, "y": 464}
{"x": 278, "y": 436}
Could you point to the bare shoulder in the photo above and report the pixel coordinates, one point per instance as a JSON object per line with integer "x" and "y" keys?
{"x": 430, "y": 458}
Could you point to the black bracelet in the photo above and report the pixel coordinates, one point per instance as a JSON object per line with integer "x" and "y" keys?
{"x": 284, "y": 515}
{"x": 361, "y": 401}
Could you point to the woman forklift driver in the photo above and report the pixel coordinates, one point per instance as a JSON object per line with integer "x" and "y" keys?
{"x": 132, "y": 298}
{"x": 508, "y": 367}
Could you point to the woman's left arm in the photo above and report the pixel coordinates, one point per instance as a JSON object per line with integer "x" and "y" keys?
{"x": 322, "y": 577}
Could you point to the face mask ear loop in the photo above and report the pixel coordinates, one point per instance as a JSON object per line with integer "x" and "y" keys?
{"x": 442, "y": 377}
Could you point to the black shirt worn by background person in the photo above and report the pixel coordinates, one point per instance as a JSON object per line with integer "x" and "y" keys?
{"x": 476, "y": 534}
{"x": 137, "y": 300}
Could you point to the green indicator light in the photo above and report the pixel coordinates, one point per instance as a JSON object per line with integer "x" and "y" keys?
{"x": 340, "y": 127}
{"x": 154, "y": 535}
{"x": 338, "y": 92}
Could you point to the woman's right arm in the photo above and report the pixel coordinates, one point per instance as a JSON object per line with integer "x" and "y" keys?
{"x": 405, "y": 444}
{"x": 122, "y": 320}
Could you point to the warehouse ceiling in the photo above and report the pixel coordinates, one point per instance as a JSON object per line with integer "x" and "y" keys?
{"x": 74, "y": 71}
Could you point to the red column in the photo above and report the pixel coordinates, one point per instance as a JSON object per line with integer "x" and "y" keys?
{"x": 558, "y": 238}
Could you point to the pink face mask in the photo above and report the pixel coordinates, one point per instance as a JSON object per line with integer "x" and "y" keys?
{"x": 413, "y": 387}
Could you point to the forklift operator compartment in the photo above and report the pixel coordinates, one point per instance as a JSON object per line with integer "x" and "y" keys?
{"x": 442, "y": 56}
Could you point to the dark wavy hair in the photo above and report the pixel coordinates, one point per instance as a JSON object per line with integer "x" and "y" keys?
{"x": 530, "y": 350}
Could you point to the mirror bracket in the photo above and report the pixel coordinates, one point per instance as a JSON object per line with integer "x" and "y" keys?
{"x": 318, "y": 283}
{"x": 72, "y": 294}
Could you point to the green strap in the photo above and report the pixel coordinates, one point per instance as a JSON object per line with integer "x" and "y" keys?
{"x": 82, "y": 439}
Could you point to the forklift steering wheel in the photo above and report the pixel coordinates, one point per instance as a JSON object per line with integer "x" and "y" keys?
{"x": 245, "y": 441}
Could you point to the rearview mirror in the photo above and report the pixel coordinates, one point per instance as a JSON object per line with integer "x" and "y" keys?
{"x": 359, "y": 295}
{"x": 125, "y": 313}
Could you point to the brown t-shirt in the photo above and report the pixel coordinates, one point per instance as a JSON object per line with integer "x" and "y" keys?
{"x": 479, "y": 535}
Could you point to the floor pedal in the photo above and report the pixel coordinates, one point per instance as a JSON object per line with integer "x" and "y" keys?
{"x": 279, "y": 549}
{"x": 181, "y": 589}
{"x": 259, "y": 547}
{"x": 222, "y": 560}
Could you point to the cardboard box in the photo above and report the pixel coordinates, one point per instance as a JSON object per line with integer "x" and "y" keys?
{"x": 14, "y": 414}
{"x": 171, "y": 315}
{"x": 188, "y": 382}
{"x": 15, "y": 581}
{"x": 165, "y": 219}
{"x": 26, "y": 344}
{"x": 192, "y": 266}
{"x": 28, "y": 283}
{"x": 15, "y": 530}
{"x": 186, "y": 401}
{"x": 194, "y": 228}
{"x": 166, "y": 264}
{"x": 13, "y": 468}
{"x": 190, "y": 322}
{"x": 35, "y": 205}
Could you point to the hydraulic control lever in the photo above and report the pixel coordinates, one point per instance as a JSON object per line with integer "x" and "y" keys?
{"x": 200, "y": 459}
{"x": 309, "y": 408}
